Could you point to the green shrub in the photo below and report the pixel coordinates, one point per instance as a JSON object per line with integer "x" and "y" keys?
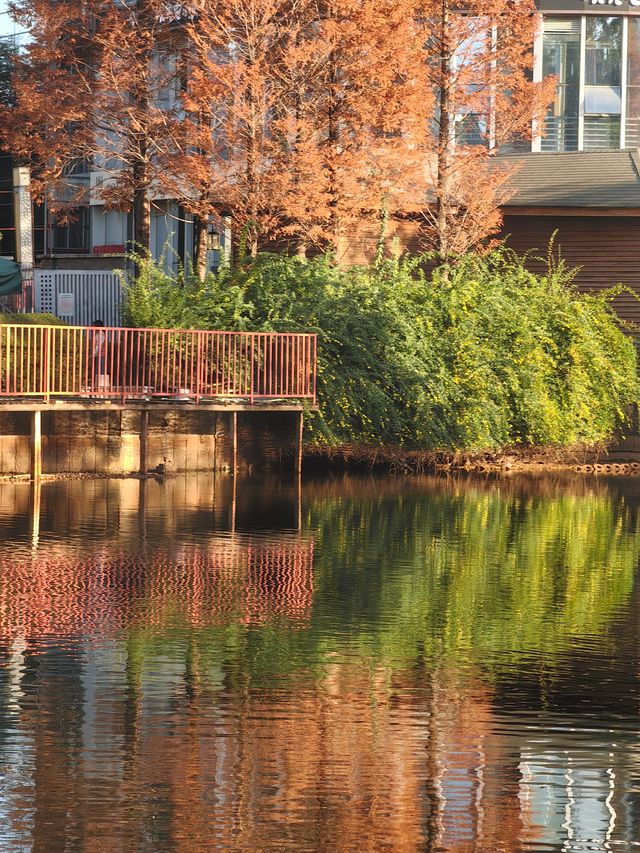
{"x": 481, "y": 355}
{"x": 30, "y": 320}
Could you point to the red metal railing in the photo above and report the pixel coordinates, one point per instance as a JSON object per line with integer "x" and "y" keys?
{"x": 140, "y": 364}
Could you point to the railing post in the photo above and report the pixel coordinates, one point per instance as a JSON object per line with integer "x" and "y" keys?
{"x": 46, "y": 367}
{"x": 5, "y": 358}
{"x": 314, "y": 368}
{"x": 123, "y": 341}
{"x": 199, "y": 368}
{"x": 251, "y": 369}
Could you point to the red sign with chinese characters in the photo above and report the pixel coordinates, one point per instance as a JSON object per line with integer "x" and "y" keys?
{"x": 108, "y": 249}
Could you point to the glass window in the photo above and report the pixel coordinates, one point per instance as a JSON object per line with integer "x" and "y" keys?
{"x": 71, "y": 235}
{"x": 632, "y": 130}
{"x": 602, "y": 83}
{"x": 561, "y": 50}
{"x": 472, "y": 129}
{"x": 603, "y": 52}
{"x": 601, "y": 78}
{"x": 561, "y": 58}
{"x": 471, "y": 65}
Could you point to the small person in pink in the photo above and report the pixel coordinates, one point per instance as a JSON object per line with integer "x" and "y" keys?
{"x": 98, "y": 339}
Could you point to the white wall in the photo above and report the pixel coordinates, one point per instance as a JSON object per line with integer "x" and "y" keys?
{"x": 108, "y": 227}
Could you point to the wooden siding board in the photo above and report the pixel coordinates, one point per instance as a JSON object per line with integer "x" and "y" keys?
{"x": 606, "y": 251}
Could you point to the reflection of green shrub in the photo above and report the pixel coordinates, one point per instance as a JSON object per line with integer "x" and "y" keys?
{"x": 477, "y": 573}
{"x": 483, "y": 355}
{"x": 467, "y": 573}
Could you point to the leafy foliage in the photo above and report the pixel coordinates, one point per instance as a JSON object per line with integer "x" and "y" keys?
{"x": 481, "y": 355}
{"x": 31, "y": 320}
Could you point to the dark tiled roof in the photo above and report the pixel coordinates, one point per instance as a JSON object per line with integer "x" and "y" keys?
{"x": 577, "y": 179}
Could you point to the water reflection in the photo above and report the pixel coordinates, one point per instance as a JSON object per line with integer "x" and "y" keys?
{"x": 362, "y": 664}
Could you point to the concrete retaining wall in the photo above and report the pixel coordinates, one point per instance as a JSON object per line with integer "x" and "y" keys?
{"x": 109, "y": 442}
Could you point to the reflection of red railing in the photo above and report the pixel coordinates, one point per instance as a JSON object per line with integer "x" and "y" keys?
{"x": 249, "y": 583}
{"x": 113, "y": 363}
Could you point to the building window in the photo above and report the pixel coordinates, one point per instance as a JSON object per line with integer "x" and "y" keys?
{"x": 632, "y": 129}
{"x": 587, "y": 55}
{"x": 471, "y": 129}
{"x": 72, "y": 235}
{"x": 561, "y": 59}
{"x": 602, "y": 82}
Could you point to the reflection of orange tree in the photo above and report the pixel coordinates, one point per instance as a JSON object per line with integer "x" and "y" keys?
{"x": 337, "y": 766}
{"x": 248, "y": 581}
{"x": 362, "y": 760}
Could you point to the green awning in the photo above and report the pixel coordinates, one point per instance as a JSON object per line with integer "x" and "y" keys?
{"x": 10, "y": 277}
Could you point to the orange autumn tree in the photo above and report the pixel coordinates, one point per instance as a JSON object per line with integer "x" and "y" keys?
{"x": 326, "y": 111}
{"x": 229, "y": 152}
{"x": 305, "y": 117}
{"x": 363, "y": 117}
{"x": 95, "y": 86}
{"x": 302, "y": 119}
{"x": 480, "y": 64}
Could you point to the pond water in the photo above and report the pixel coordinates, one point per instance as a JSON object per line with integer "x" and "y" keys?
{"x": 342, "y": 664}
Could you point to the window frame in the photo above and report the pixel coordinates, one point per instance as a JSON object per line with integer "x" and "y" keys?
{"x": 537, "y": 139}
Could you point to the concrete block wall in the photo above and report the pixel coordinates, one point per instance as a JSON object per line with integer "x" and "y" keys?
{"x": 266, "y": 439}
{"x": 15, "y": 454}
{"x": 90, "y": 442}
{"x": 183, "y": 441}
{"x": 108, "y": 442}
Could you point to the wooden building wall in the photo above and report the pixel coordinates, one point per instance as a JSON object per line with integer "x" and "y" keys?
{"x": 605, "y": 248}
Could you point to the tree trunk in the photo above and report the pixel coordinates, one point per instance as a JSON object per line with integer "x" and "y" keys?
{"x": 142, "y": 219}
{"x": 444, "y": 139}
{"x": 139, "y": 141}
{"x": 200, "y": 246}
{"x": 333, "y": 139}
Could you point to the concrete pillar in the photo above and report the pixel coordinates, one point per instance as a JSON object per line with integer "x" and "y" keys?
{"x": 144, "y": 440}
{"x": 36, "y": 445}
{"x": 227, "y": 251}
{"x": 23, "y": 215}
